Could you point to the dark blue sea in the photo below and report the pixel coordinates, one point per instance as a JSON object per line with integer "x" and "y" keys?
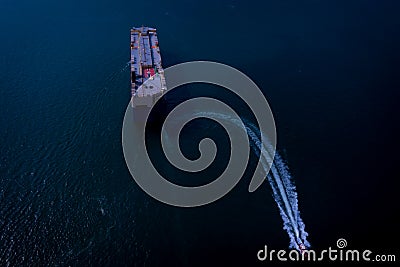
{"x": 329, "y": 70}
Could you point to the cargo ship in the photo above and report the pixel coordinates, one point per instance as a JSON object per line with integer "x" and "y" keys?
{"x": 147, "y": 74}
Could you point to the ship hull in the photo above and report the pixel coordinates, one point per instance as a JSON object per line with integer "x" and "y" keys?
{"x": 147, "y": 75}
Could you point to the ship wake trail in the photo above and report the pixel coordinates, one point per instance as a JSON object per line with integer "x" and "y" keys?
{"x": 283, "y": 188}
{"x": 284, "y": 191}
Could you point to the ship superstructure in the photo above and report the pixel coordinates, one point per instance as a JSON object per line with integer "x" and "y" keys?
{"x": 147, "y": 75}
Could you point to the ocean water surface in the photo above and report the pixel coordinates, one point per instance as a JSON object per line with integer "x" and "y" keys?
{"x": 328, "y": 69}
